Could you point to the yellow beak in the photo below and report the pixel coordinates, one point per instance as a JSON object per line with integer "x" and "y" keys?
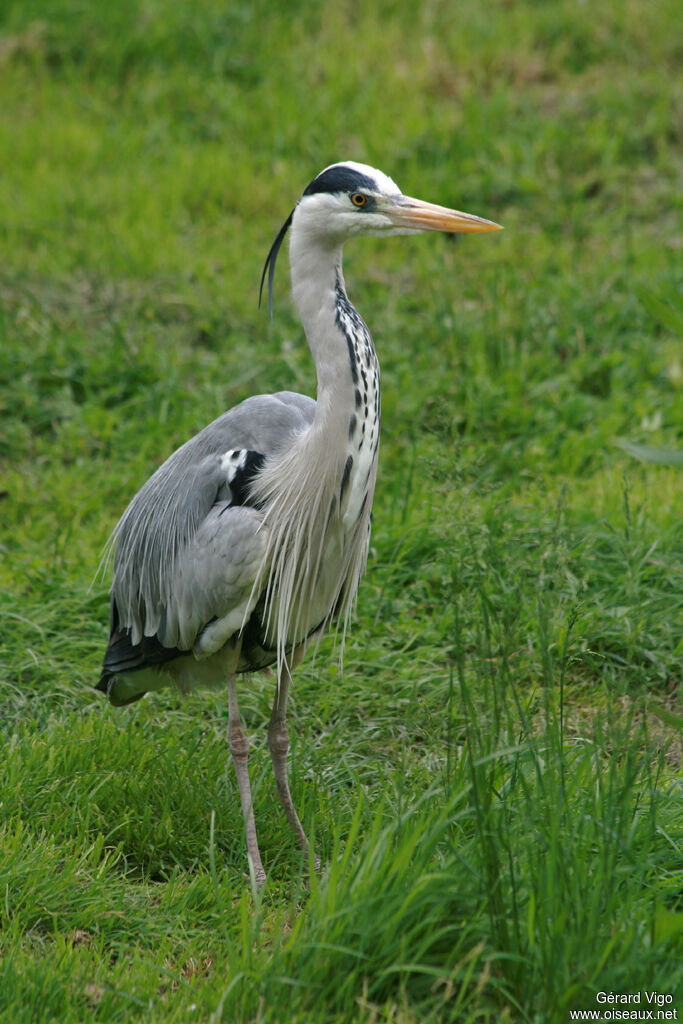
{"x": 416, "y": 214}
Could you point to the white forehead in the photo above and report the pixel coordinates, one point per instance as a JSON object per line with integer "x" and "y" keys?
{"x": 384, "y": 183}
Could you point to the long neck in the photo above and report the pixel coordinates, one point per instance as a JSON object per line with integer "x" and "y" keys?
{"x": 317, "y": 491}
{"x": 341, "y": 345}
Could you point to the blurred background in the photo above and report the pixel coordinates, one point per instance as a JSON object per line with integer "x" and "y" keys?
{"x": 527, "y": 539}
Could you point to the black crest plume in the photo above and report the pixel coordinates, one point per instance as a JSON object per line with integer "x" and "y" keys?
{"x": 270, "y": 264}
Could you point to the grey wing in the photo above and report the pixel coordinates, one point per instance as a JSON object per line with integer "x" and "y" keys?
{"x": 216, "y": 581}
{"x": 165, "y": 516}
{"x": 216, "y": 585}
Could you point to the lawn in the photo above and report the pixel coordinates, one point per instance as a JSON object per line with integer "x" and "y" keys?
{"x": 493, "y": 781}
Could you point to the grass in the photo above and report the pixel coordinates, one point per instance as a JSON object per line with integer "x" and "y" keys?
{"x": 494, "y": 782}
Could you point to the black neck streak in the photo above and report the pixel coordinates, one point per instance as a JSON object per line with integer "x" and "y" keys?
{"x": 364, "y": 414}
{"x": 362, "y": 358}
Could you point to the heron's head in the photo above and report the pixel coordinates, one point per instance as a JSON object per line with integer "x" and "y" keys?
{"x": 348, "y": 199}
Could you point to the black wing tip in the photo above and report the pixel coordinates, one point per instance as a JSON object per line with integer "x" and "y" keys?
{"x": 122, "y": 657}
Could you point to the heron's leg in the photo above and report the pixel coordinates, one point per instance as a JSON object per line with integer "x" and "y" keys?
{"x": 239, "y": 748}
{"x": 278, "y": 741}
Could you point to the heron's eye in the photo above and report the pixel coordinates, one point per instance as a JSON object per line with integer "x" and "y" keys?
{"x": 358, "y": 199}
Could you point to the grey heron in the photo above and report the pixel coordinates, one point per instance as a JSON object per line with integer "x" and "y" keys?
{"x": 252, "y": 537}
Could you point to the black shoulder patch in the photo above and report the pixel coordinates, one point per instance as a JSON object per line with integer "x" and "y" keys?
{"x": 240, "y": 485}
{"x": 340, "y": 178}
